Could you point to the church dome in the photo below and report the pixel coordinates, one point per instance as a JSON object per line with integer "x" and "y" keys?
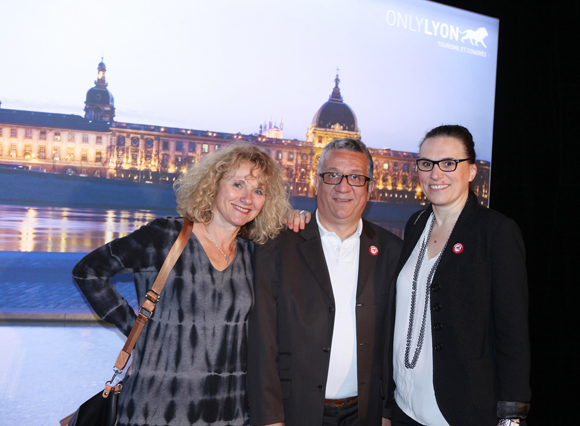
{"x": 334, "y": 112}
{"x": 100, "y": 104}
{"x": 100, "y": 95}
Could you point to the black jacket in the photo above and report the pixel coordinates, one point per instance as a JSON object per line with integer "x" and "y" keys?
{"x": 479, "y": 317}
{"x": 291, "y": 326}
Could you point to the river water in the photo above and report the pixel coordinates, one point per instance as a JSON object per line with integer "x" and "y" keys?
{"x": 65, "y": 229}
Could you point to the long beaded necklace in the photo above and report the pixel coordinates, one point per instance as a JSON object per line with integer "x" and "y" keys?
{"x": 413, "y": 362}
{"x": 218, "y": 247}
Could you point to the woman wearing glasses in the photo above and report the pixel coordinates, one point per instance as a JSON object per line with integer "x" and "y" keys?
{"x": 461, "y": 352}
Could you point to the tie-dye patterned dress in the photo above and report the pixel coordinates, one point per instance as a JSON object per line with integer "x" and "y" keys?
{"x": 189, "y": 365}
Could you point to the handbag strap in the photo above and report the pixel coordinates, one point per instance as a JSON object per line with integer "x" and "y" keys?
{"x": 152, "y": 297}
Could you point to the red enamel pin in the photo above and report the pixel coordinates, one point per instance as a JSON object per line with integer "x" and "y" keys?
{"x": 457, "y": 248}
{"x": 373, "y": 250}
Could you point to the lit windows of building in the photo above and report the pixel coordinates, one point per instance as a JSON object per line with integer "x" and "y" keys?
{"x": 290, "y": 156}
{"x": 12, "y": 150}
{"x": 98, "y": 156}
{"x": 148, "y": 157}
{"x": 85, "y": 137}
{"x": 217, "y": 147}
{"x": 135, "y": 159}
{"x": 178, "y": 161}
{"x": 84, "y": 155}
{"x": 70, "y": 154}
{"x": 42, "y": 152}
{"x": 71, "y": 137}
{"x": 27, "y": 152}
{"x": 205, "y": 148}
{"x": 1, "y": 146}
{"x": 56, "y": 136}
{"x": 56, "y": 153}
{"x": 28, "y": 133}
{"x": 165, "y": 161}
{"x": 385, "y": 166}
{"x": 278, "y": 155}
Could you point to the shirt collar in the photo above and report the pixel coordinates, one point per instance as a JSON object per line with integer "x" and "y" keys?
{"x": 326, "y": 233}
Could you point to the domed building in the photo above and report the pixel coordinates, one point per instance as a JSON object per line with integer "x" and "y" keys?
{"x": 100, "y": 105}
{"x": 333, "y": 120}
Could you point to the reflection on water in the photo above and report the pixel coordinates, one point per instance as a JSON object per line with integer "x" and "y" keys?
{"x": 65, "y": 229}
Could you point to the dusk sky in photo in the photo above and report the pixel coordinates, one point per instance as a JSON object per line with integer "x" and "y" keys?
{"x": 228, "y": 66}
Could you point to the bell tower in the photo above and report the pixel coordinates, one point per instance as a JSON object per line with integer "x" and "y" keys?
{"x": 100, "y": 104}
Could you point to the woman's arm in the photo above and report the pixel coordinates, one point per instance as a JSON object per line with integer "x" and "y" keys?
{"x": 510, "y": 319}
{"x": 132, "y": 253}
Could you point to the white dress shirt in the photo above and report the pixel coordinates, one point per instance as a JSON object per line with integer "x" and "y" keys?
{"x": 342, "y": 259}
{"x": 414, "y": 392}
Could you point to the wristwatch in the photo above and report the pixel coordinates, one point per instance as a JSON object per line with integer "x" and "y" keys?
{"x": 507, "y": 422}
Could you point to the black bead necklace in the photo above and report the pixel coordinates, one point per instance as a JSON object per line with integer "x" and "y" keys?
{"x": 424, "y": 243}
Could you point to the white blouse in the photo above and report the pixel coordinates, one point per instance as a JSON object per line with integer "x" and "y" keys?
{"x": 414, "y": 391}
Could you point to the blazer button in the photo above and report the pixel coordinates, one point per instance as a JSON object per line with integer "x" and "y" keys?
{"x": 331, "y": 310}
{"x": 437, "y": 307}
{"x": 320, "y": 388}
{"x": 326, "y": 349}
{"x": 435, "y": 287}
{"x": 438, "y": 326}
{"x": 438, "y": 347}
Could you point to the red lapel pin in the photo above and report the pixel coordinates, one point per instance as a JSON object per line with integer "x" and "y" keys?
{"x": 373, "y": 250}
{"x": 457, "y": 248}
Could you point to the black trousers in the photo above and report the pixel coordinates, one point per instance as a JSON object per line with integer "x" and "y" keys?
{"x": 401, "y": 419}
{"x": 341, "y": 416}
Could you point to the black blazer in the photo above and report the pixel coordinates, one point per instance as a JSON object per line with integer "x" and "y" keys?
{"x": 291, "y": 326}
{"x": 479, "y": 317}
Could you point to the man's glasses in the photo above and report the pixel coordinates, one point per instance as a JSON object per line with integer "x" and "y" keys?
{"x": 447, "y": 165}
{"x": 333, "y": 178}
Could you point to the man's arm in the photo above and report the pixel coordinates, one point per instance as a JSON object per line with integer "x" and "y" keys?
{"x": 264, "y": 389}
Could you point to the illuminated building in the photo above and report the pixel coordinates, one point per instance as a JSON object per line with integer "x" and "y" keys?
{"x": 98, "y": 146}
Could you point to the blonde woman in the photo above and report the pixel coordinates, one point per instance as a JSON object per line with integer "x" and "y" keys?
{"x": 189, "y": 366}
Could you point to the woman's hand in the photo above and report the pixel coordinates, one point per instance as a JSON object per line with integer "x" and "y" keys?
{"x": 296, "y": 219}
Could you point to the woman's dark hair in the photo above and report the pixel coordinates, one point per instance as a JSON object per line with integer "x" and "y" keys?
{"x": 457, "y": 132}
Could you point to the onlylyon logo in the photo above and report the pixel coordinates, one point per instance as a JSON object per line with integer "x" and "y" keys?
{"x": 475, "y": 37}
{"x": 436, "y": 28}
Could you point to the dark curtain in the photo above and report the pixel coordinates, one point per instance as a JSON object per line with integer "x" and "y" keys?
{"x": 536, "y": 147}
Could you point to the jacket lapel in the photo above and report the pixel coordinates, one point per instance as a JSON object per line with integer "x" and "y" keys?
{"x": 367, "y": 261}
{"x": 311, "y": 249}
{"x": 461, "y": 229}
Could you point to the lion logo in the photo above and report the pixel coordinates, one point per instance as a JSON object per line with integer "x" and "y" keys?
{"x": 475, "y": 37}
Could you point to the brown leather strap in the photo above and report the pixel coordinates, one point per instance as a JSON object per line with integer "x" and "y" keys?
{"x": 152, "y": 297}
{"x": 340, "y": 402}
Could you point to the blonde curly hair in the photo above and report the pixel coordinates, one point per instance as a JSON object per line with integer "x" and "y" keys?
{"x": 196, "y": 190}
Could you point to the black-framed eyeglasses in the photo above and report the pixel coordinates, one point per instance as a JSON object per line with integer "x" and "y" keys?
{"x": 334, "y": 178}
{"x": 446, "y": 165}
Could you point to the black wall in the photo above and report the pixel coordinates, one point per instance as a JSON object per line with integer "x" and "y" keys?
{"x": 535, "y": 158}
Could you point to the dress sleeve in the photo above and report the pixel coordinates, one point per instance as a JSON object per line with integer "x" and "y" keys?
{"x": 264, "y": 389}
{"x": 131, "y": 253}
{"x": 510, "y": 318}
